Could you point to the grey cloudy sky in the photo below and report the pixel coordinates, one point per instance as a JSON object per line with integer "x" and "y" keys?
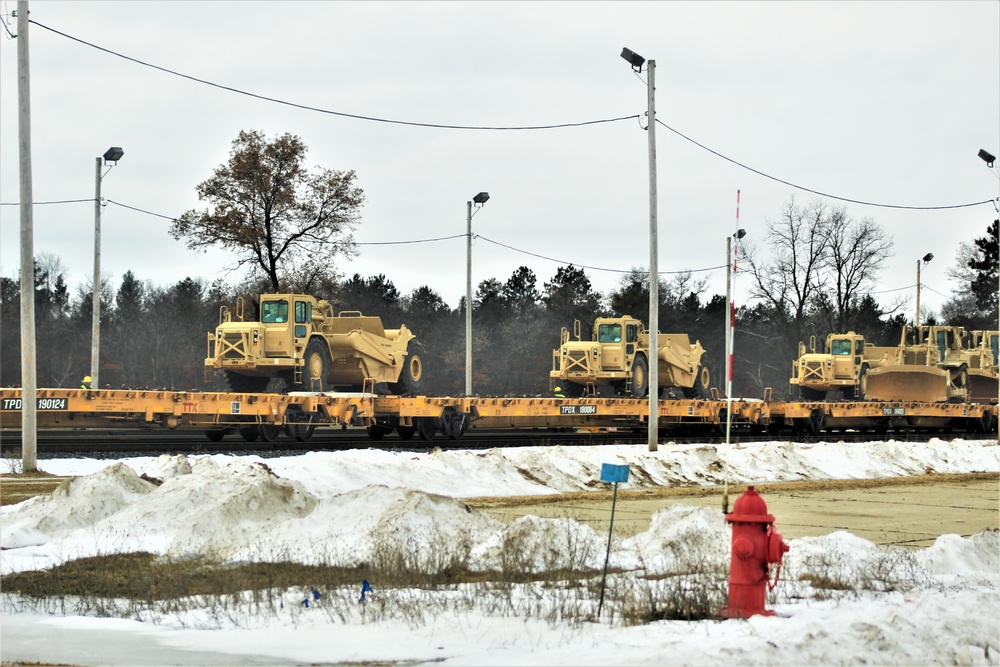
{"x": 884, "y": 102}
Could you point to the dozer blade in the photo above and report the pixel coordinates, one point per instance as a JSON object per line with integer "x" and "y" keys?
{"x": 983, "y": 387}
{"x": 908, "y": 383}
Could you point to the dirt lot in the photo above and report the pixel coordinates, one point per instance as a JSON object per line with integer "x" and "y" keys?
{"x": 910, "y": 512}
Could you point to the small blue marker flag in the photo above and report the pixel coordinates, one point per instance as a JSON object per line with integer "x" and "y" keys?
{"x": 315, "y": 594}
{"x": 365, "y": 588}
{"x": 614, "y": 473}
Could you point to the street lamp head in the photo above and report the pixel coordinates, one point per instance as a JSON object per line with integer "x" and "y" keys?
{"x": 928, "y": 257}
{"x": 481, "y": 198}
{"x": 740, "y": 233}
{"x": 987, "y": 158}
{"x": 113, "y": 154}
{"x": 633, "y": 59}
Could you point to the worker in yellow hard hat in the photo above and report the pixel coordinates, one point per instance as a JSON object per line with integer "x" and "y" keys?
{"x": 86, "y": 382}
{"x": 558, "y": 393}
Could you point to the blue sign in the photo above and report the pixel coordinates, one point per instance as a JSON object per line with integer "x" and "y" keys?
{"x": 612, "y": 473}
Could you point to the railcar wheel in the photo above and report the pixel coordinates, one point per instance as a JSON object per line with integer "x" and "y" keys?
{"x": 269, "y": 432}
{"x": 215, "y": 434}
{"x": 426, "y": 427}
{"x": 406, "y": 432}
{"x": 640, "y": 376}
{"x": 301, "y": 431}
{"x": 452, "y": 423}
{"x": 377, "y": 431}
{"x": 250, "y": 433}
{"x": 814, "y": 424}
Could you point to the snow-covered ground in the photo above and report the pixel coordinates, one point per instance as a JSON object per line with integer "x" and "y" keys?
{"x": 939, "y": 605}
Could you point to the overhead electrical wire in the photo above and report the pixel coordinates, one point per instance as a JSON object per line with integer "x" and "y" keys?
{"x": 817, "y": 192}
{"x": 477, "y": 127}
{"x": 502, "y": 128}
{"x": 328, "y": 111}
{"x": 593, "y": 268}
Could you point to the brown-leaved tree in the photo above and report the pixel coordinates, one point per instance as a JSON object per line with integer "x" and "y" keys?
{"x": 273, "y": 213}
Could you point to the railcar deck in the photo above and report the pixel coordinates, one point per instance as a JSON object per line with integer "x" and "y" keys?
{"x": 298, "y": 414}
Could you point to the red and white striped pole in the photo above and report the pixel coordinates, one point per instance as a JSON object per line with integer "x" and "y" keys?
{"x": 732, "y": 304}
{"x": 731, "y": 254}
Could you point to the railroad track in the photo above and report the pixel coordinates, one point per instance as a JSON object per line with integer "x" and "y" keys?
{"x": 61, "y": 443}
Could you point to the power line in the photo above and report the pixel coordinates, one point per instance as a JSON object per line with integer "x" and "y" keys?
{"x": 328, "y": 111}
{"x": 133, "y": 208}
{"x": 817, "y": 192}
{"x": 458, "y": 236}
{"x": 10, "y": 35}
{"x": 42, "y": 203}
{"x": 506, "y": 128}
{"x": 593, "y": 268}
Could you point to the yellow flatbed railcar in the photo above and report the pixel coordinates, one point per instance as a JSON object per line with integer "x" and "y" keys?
{"x": 298, "y": 414}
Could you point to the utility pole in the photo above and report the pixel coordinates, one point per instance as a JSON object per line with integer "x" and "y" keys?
{"x": 654, "y": 274}
{"x": 29, "y": 389}
{"x": 95, "y": 314}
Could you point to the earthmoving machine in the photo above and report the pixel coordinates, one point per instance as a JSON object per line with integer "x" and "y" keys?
{"x": 617, "y": 355}
{"x": 300, "y": 340}
{"x": 933, "y": 367}
{"x": 984, "y": 350}
{"x": 841, "y": 365}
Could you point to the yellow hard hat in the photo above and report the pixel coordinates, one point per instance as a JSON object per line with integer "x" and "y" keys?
{"x": 86, "y": 378}
{"x": 558, "y": 389}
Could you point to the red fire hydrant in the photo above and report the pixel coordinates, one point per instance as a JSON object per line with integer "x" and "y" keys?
{"x": 756, "y": 545}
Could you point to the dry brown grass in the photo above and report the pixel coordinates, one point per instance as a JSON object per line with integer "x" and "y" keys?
{"x": 15, "y": 488}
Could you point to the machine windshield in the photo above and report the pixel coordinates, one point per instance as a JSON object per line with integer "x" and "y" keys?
{"x": 841, "y": 348}
{"x": 609, "y": 333}
{"x": 274, "y": 312}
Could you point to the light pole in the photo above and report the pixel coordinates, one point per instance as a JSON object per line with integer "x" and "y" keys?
{"x": 730, "y": 335}
{"x": 636, "y": 61}
{"x": 478, "y": 200}
{"x": 990, "y": 160}
{"x": 113, "y": 154}
{"x": 730, "y": 308}
{"x": 926, "y": 258}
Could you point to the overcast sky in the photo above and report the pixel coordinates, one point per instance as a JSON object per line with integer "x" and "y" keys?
{"x": 881, "y": 102}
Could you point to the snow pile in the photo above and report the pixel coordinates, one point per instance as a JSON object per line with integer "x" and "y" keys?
{"x": 527, "y": 471}
{"x": 840, "y": 599}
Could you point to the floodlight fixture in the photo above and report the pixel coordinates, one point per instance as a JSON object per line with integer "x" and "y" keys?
{"x": 987, "y": 158}
{"x": 928, "y": 257}
{"x": 113, "y": 154}
{"x": 478, "y": 200}
{"x": 740, "y": 233}
{"x": 633, "y": 58}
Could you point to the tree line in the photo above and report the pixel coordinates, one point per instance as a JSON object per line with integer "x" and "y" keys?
{"x": 812, "y": 274}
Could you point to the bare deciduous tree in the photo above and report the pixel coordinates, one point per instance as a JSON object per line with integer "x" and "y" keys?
{"x": 856, "y": 250}
{"x": 794, "y": 273}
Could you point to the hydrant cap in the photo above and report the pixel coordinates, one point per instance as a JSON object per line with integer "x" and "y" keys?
{"x": 750, "y": 508}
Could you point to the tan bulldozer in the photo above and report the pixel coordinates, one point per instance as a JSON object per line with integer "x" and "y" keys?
{"x": 984, "y": 350}
{"x": 933, "y": 367}
{"x": 617, "y": 355}
{"x": 300, "y": 340}
{"x": 842, "y": 365}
